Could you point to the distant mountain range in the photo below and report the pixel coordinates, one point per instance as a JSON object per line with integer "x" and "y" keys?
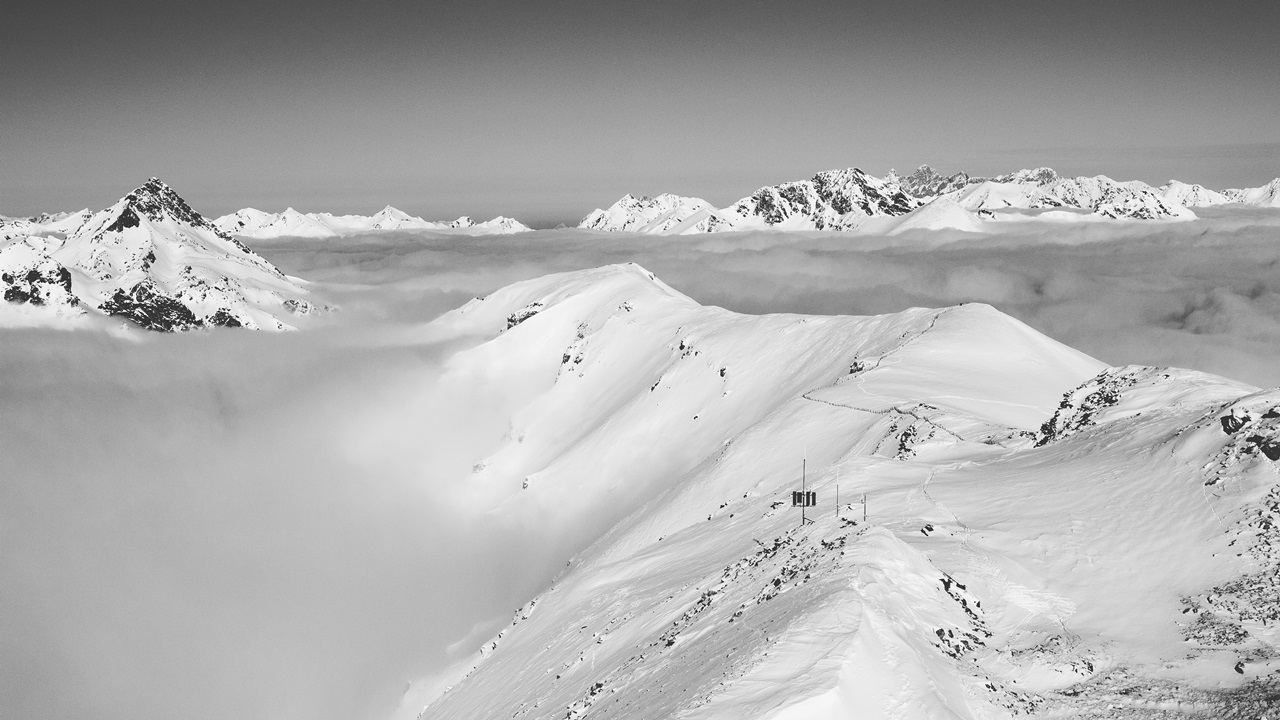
{"x": 149, "y": 259}
{"x": 851, "y": 199}
{"x": 251, "y": 223}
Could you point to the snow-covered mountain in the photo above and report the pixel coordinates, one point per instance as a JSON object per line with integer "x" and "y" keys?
{"x": 942, "y": 213}
{"x": 152, "y": 260}
{"x": 1191, "y": 195}
{"x": 831, "y": 200}
{"x": 502, "y": 225}
{"x": 846, "y": 199}
{"x": 1042, "y": 534}
{"x": 1266, "y": 196}
{"x": 664, "y": 214}
{"x": 43, "y": 224}
{"x": 926, "y": 182}
{"x": 993, "y": 195}
{"x": 1132, "y": 199}
{"x": 251, "y": 223}
{"x": 1044, "y": 188}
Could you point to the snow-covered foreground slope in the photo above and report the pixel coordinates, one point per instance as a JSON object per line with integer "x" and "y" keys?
{"x": 1043, "y": 534}
{"x": 149, "y": 259}
{"x": 256, "y": 224}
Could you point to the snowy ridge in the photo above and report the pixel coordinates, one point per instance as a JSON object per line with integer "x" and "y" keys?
{"x": 44, "y": 224}
{"x": 152, "y": 260}
{"x": 251, "y": 223}
{"x": 993, "y": 195}
{"x": 1045, "y": 535}
{"x": 664, "y": 214}
{"x": 1265, "y": 196}
{"x": 1191, "y": 195}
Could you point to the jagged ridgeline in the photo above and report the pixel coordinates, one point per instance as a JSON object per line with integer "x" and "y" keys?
{"x": 853, "y": 200}
{"x": 1045, "y": 536}
{"x": 152, "y": 260}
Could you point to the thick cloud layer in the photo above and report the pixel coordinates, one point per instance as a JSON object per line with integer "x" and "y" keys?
{"x": 239, "y": 525}
{"x": 1204, "y": 294}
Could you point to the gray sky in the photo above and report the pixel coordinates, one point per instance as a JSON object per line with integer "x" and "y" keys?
{"x": 547, "y": 110}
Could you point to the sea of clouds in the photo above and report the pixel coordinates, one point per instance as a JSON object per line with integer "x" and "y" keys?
{"x": 249, "y": 525}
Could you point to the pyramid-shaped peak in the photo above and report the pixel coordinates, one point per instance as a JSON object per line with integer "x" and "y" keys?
{"x": 154, "y": 200}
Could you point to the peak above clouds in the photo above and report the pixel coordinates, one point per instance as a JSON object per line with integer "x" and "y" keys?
{"x": 150, "y": 259}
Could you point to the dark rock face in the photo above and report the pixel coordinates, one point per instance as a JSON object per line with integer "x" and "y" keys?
{"x": 126, "y": 219}
{"x": 1232, "y": 423}
{"x": 224, "y": 318}
{"x": 28, "y": 277}
{"x": 147, "y": 306}
{"x": 154, "y": 199}
{"x": 826, "y": 197}
{"x": 927, "y": 182}
{"x": 1079, "y": 406}
{"x": 27, "y": 287}
{"x": 848, "y": 190}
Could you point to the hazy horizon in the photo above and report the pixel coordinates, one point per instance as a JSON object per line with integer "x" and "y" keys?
{"x": 207, "y": 203}
{"x": 545, "y": 113}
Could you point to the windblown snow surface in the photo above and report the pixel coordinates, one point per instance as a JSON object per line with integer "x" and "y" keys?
{"x": 295, "y": 525}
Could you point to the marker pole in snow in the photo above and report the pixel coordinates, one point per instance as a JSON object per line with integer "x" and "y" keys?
{"x": 804, "y": 462}
{"x": 864, "y": 507}
{"x": 804, "y": 498}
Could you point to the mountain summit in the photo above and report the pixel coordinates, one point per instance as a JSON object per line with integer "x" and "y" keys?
{"x": 151, "y": 259}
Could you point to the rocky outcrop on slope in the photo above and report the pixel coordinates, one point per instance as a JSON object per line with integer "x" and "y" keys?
{"x": 28, "y": 276}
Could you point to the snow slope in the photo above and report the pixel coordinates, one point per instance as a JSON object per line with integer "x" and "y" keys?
{"x": 1045, "y": 535}
{"x": 992, "y": 195}
{"x": 944, "y": 213}
{"x": 152, "y": 260}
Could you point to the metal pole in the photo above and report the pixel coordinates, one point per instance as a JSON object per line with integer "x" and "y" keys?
{"x": 864, "y": 507}
{"x": 804, "y": 499}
